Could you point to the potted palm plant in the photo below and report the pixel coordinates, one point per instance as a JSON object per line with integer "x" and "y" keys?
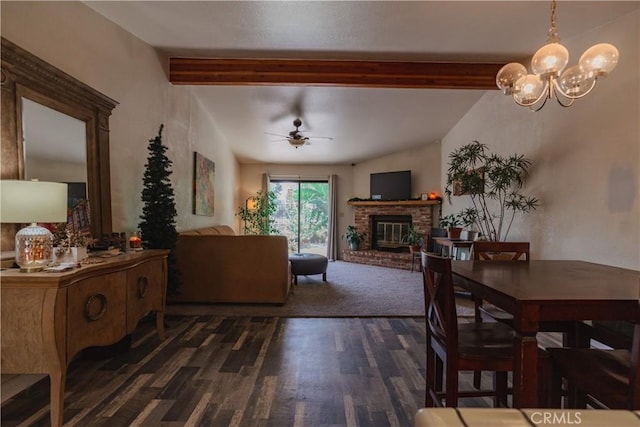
{"x": 494, "y": 183}
{"x": 354, "y": 237}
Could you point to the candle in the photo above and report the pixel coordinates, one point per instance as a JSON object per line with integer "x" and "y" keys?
{"x": 135, "y": 242}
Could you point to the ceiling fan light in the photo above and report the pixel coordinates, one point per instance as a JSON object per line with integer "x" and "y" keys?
{"x": 575, "y": 82}
{"x": 599, "y": 60}
{"x": 297, "y": 142}
{"x": 528, "y": 88}
{"x": 550, "y": 59}
{"x": 509, "y": 75}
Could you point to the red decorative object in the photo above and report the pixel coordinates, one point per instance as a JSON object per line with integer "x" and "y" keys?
{"x": 135, "y": 242}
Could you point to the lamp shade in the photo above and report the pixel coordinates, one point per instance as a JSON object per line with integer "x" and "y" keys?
{"x": 32, "y": 201}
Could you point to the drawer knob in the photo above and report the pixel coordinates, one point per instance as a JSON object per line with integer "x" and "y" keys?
{"x": 102, "y": 299}
{"x": 143, "y": 282}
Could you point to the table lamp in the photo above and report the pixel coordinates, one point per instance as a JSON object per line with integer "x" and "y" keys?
{"x": 32, "y": 202}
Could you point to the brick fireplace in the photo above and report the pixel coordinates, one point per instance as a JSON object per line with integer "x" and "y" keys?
{"x": 418, "y": 212}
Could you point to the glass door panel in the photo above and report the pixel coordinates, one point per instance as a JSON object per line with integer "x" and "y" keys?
{"x": 302, "y": 214}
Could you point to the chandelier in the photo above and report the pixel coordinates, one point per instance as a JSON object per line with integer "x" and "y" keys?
{"x": 548, "y": 81}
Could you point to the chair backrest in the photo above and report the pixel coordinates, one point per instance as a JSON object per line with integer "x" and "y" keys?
{"x": 485, "y": 250}
{"x": 439, "y": 299}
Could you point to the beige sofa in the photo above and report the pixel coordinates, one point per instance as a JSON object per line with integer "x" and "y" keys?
{"x": 218, "y": 266}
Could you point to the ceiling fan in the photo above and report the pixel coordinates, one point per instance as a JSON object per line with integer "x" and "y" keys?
{"x": 296, "y": 138}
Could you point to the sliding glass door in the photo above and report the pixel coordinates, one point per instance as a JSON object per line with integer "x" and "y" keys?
{"x": 302, "y": 214}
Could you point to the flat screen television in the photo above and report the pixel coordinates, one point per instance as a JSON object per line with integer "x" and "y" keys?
{"x": 391, "y": 185}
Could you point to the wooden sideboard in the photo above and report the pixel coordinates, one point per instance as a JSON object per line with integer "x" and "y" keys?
{"x": 47, "y": 318}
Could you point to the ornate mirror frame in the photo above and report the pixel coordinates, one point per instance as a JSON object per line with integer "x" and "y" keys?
{"x": 23, "y": 75}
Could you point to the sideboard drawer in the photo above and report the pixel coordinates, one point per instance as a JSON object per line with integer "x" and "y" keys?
{"x": 145, "y": 291}
{"x": 96, "y": 312}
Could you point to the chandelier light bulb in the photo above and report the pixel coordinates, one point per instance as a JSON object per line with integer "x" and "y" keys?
{"x": 599, "y": 60}
{"x": 550, "y": 59}
{"x": 575, "y": 82}
{"x": 509, "y": 75}
{"x": 548, "y": 79}
{"x": 529, "y": 88}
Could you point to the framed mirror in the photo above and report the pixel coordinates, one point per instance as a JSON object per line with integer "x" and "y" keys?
{"x": 27, "y": 80}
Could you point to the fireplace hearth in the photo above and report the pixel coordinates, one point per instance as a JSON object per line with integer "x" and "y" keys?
{"x": 418, "y": 213}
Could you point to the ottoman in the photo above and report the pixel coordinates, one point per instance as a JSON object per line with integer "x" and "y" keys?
{"x": 306, "y": 264}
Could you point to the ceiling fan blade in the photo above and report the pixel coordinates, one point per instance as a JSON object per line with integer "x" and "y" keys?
{"x": 275, "y": 134}
{"x": 321, "y": 137}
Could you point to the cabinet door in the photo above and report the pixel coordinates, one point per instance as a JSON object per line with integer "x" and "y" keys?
{"x": 145, "y": 291}
{"x": 96, "y": 312}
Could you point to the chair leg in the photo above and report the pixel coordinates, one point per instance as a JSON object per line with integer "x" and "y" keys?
{"x": 575, "y": 398}
{"x": 500, "y": 386}
{"x": 439, "y": 374}
{"x": 555, "y": 389}
{"x": 477, "y": 375}
{"x": 451, "y": 387}
{"x": 477, "y": 379}
{"x": 431, "y": 377}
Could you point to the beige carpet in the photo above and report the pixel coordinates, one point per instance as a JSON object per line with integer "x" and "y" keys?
{"x": 351, "y": 290}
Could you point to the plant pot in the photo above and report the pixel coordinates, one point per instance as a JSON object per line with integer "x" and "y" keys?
{"x": 354, "y": 245}
{"x": 75, "y": 254}
{"x": 414, "y": 248}
{"x": 454, "y": 232}
{"x": 472, "y": 235}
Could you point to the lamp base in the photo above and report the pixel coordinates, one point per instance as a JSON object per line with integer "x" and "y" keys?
{"x": 34, "y": 248}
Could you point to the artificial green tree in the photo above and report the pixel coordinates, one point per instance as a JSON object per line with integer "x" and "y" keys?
{"x": 158, "y": 225}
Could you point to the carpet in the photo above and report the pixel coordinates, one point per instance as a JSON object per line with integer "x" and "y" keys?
{"x": 351, "y": 290}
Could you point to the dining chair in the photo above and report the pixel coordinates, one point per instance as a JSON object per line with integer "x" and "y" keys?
{"x": 599, "y": 377}
{"x": 487, "y": 251}
{"x": 494, "y": 251}
{"x": 453, "y": 347}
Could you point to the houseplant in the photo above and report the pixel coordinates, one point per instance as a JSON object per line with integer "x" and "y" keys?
{"x": 354, "y": 237}
{"x": 468, "y": 218}
{"x": 257, "y": 213}
{"x": 452, "y": 223}
{"x": 494, "y": 183}
{"x": 414, "y": 239}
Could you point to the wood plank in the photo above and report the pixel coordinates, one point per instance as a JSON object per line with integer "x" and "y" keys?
{"x": 295, "y": 380}
{"x": 310, "y": 72}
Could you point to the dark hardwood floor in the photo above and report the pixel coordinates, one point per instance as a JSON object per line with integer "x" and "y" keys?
{"x": 219, "y": 371}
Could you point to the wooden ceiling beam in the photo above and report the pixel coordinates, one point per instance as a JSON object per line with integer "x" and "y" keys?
{"x": 383, "y": 74}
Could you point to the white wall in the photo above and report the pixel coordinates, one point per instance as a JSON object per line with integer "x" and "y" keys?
{"x": 586, "y": 158}
{"x": 422, "y": 161}
{"x": 92, "y": 49}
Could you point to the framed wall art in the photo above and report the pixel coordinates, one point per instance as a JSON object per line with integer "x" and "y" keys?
{"x": 204, "y": 179}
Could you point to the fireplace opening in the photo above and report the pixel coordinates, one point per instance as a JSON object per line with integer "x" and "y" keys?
{"x": 387, "y": 232}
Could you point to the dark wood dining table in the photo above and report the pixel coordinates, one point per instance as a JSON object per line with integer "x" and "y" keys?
{"x": 548, "y": 291}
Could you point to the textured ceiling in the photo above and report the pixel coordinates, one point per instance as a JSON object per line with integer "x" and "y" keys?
{"x": 363, "y": 122}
